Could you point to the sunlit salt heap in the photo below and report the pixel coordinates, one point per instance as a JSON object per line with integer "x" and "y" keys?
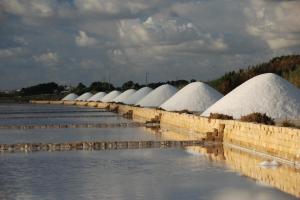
{"x": 158, "y": 96}
{"x": 70, "y": 97}
{"x": 97, "y": 97}
{"x": 195, "y": 97}
{"x": 267, "y": 93}
{"x": 84, "y": 96}
{"x": 110, "y": 96}
{"x": 141, "y": 93}
{"x": 122, "y": 97}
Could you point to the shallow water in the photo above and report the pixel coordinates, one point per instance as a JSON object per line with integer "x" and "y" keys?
{"x": 192, "y": 173}
{"x": 12, "y": 136}
{"x": 23, "y": 114}
{"x": 70, "y": 120}
{"x": 126, "y": 174}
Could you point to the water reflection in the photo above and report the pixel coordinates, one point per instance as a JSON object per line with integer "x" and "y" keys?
{"x": 125, "y": 174}
{"x": 11, "y": 108}
{"x": 285, "y": 178}
{"x": 168, "y": 133}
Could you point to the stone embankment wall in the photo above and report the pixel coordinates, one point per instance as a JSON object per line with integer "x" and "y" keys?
{"x": 282, "y": 142}
{"x": 276, "y": 141}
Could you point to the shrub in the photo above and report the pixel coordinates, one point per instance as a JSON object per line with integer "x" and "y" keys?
{"x": 288, "y": 123}
{"x": 258, "y": 118}
{"x": 184, "y": 112}
{"x": 219, "y": 116}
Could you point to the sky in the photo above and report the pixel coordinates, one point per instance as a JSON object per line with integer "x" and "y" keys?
{"x": 72, "y": 41}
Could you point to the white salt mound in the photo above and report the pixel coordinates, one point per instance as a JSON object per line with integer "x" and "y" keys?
{"x": 110, "y": 96}
{"x": 70, "y": 97}
{"x": 84, "y": 96}
{"x": 266, "y": 93}
{"x": 141, "y": 93}
{"x": 97, "y": 97}
{"x": 122, "y": 97}
{"x": 158, "y": 96}
{"x": 195, "y": 97}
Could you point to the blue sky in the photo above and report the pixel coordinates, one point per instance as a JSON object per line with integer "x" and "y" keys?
{"x": 97, "y": 40}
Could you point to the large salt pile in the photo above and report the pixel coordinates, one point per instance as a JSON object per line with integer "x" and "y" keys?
{"x": 70, "y": 97}
{"x": 97, "y": 97}
{"x": 124, "y": 96}
{"x": 158, "y": 96}
{"x": 84, "y": 96}
{"x": 267, "y": 93}
{"x": 110, "y": 96}
{"x": 141, "y": 93}
{"x": 195, "y": 97}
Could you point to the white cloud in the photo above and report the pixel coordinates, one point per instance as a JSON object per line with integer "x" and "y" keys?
{"x": 110, "y": 7}
{"x": 276, "y": 22}
{"x": 163, "y": 35}
{"x": 11, "y": 52}
{"x": 90, "y": 64}
{"x": 115, "y": 8}
{"x": 30, "y": 8}
{"x": 84, "y": 40}
{"x": 132, "y": 32}
{"x": 283, "y": 42}
{"x": 49, "y": 58}
{"x": 20, "y": 40}
{"x": 117, "y": 52}
{"x": 188, "y": 39}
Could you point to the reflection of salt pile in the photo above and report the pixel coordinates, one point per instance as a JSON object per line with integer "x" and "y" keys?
{"x": 70, "y": 97}
{"x": 158, "y": 96}
{"x": 110, "y": 96}
{"x": 124, "y": 96}
{"x": 84, "y": 96}
{"x": 195, "y": 97}
{"x": 97, "y": 97}
{"x": 141, "y": 93}
{"x": 267, "y": 93}
{"x": 269, "y": 164}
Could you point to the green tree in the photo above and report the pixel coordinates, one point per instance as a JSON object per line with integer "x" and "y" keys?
{"x": 130, "y": 85}
{"x": 43, "y": 88}
{"x": 80, "y": 89}
{"x": 101, "y": 87}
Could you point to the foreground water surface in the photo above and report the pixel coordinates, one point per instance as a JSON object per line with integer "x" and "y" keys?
{"x": 175, "y": 173}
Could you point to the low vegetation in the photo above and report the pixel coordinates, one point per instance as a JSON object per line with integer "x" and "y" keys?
{"x": 219, "y": 116}
{"x": 288, "y": 123}
{"x": 260, "y": 118}
{"x": 184, "y": 112}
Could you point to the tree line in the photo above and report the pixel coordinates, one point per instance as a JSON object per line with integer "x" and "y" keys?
{"x": 287, "y": 67}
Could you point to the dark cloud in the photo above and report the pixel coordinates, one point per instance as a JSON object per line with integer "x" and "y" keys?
{"x": 87, "y": 40}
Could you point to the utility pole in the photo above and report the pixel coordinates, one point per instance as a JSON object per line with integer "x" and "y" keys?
{"x": 108, "y": 77}
{"x": 146, "y": 78}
